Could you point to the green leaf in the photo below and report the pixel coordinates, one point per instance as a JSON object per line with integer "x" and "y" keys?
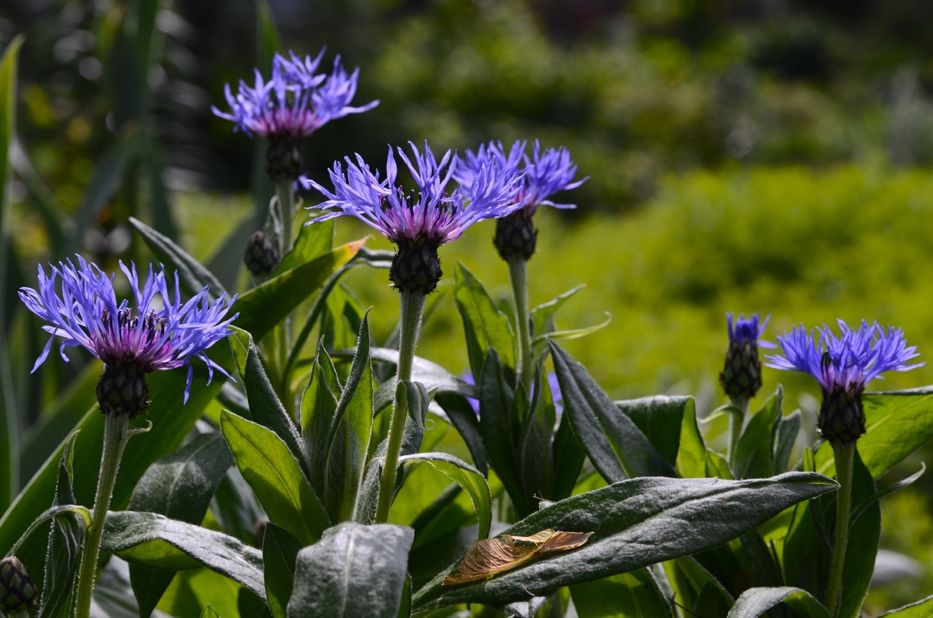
{"x": 172, "y": 420}
{"x": 787, "y": 432}
{"x": 615, "y": 444}
{"x": 318, "y": 407}
{"x": 313, "y": 241}
{"x": 661, "y": 419}
{"x": 157, "y": 541}
{"x": 636, "y": 523}
{"x": 464, "y": 475}
{"x": 755, "y": 448}
{"x": 276, "y": 477}
{"x": 693, "y": 586}
{"x": 354, "y": 570}
{"x": 210, "y": 612}
{"x": 497, "y": 426}
{"x": 919, "y": 609}
{"x": 179, "y": 486}
{"x": 465, "y": 419}
{"x": 486, "y": 327}
{"x": 193, "y": 276}
{"x": 349, "y": 435}
{"x": 279, "y": 555}
{"x": 691, "y": 454}
{"x": 9, "y": 453}
{"x": 756, "y": 602}
{"x": 266, "y": 305}
{"x": 627, "y": 595}
{"x": 66, "y": 539}
{"x": 542, "y": 318}
{"x": 265, "y": 407}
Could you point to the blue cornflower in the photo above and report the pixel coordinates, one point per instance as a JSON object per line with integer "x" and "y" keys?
{"x": 741, "y": 375}
{"x": 157, "y": 333}
{"x": 294, "y": 103}
{"x": 843, "y": 365}
{"x": 436, "y": 212}
{"x": 545, "y": 173}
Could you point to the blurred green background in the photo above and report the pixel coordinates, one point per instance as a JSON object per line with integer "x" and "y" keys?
{"x": 767, "y": 156}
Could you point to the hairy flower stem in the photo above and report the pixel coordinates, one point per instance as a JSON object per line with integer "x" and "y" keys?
{"x": 518, "y": 274}
{"x": 286, "y": 198}
{"x": 844, "y": 454}
{"x": 116, "y": 435}
{"x": 736, "y": 419}
{"x": 412, "y": 308}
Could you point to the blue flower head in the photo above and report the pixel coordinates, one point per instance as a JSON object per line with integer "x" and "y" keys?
{"x": 157, "y": 332}
{"x": 435, "y": 211}
{"x": 741, "y": 374}
{"x": 843, "y": 365}
{"x": 295, "y": 101}
{"x": 546, "y": 172}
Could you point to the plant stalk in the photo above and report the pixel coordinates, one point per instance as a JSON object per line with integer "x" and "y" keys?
{"x": 736, "y": 421}
{"x": 412, "y": 309}
{"x": 518, "y": 274}
{"x": 116, "y": 435}
{"x": 844, "y": 454}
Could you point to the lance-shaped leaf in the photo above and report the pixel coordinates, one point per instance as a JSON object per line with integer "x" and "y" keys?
{"x": 435, "y": 378}
{"x": 276, "y": 477}
{"x": 919, "y": 609}
{"x": 635, "y": 523}
{"x": 157, "y": 541}
{"x": 269, "y": 303}
{"x": 192, "y": 275}
{"x": 486, "y": 327}
{"x": 354, "y": 570}
{"x": 466, "y": 476}
{"x": 66, "y": 538}
{"x": 754, "y": 452}
{"x": 350, "y": 431}
{"x": 627, "y": 595}
{"x": 180, "y": 487}
{"x": 614, "y": 443}
{"x": 755, "y": 602}
{"x": 279, "y": 555}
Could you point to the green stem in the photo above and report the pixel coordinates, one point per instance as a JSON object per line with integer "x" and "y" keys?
{"x": 518, "y": 274}
{"x": 116, "y": 434}
{"x": 844, "y": 455}
{"x": 412, "y": 308}
{"x": 736, "y": 421}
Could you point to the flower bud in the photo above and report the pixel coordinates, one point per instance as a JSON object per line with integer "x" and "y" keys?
{"x": 122, "y": 389}
{"x": 741, "y": 375}
{"x": 416, "y": 267}
{"x": 842, "y": 417}
{"x": 283, "y": 159}
{"x": 516, "y": 236}
{"x": 17, "y": 592}
{"x": 262, "y": 254}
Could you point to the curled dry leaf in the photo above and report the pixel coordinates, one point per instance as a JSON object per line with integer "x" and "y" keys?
{"x": 486, "y": 558}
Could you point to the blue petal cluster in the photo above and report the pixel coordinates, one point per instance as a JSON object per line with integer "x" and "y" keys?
{"x": 158, "y": 332}
{"x": 546, "y": 172}
{"x": 744, "y": 330}
{"x": 439, "y": 208}
{"x": 846, "y": 362}
{"x": 295, "y": 101}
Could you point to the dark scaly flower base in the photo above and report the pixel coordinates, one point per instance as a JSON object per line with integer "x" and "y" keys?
{"x": 741, "y": 375}
{"x": 516, "y": 236}
{"x": 122, "y": 389}
{"x": 416, "y": 267}
{"x": 17, "y": 592}
{"x": 262, "y": 254}
{"x": 283, "y": 159}
{"x": 842, "y": 417}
